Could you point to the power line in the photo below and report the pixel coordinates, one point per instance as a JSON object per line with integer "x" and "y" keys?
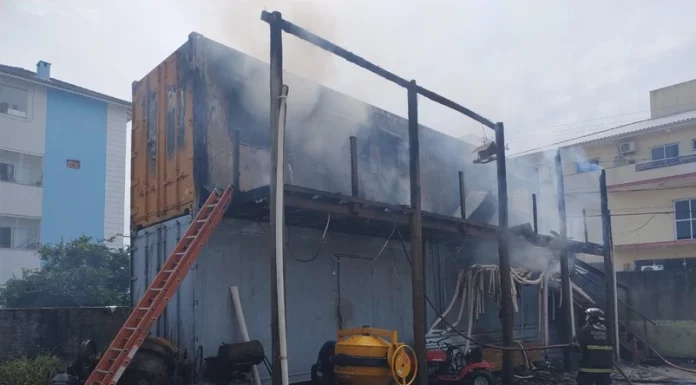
{"x": 556, "y": 144}
{"x": 691, "y": 103}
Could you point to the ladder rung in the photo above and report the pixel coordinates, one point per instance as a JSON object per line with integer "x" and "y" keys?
{"x": 151, "y": 304}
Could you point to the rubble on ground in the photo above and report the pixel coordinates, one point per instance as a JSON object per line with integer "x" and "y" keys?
{"x": 550, "y": 373}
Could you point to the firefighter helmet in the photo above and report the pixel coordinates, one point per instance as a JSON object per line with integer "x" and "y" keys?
{"x": 594, "y": 315}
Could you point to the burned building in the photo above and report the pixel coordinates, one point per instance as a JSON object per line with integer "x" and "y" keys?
{"x": 200, "y": 121}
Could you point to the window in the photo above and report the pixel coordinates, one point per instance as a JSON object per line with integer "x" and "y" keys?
{"x": 13, "y": 101}
{"x": 588, "y": 166}
{"x": 685, "y": 216}
{"x": 19, "y": 233}
{"x": 668, "y": 151}
{"x": 7, "y": 172}
{"x": 5, "y": 237}
{"x": 693, "y": 145}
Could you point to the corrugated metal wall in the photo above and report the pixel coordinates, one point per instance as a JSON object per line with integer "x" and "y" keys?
{"x": 343, "y": 287}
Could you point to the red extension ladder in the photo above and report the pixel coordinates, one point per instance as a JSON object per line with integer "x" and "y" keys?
{"x": 116, "y": 358}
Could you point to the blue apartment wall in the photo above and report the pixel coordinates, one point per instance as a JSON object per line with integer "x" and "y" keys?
{"x": 73, "y": 199}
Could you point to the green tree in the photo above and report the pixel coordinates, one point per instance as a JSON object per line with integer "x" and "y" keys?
{"x": 79, "y": 273}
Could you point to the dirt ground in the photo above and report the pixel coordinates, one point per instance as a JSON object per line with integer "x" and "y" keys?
{"x": 638, "y": 374}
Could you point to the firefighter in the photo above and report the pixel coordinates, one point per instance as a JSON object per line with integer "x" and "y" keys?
{"x": 594, "y": 342}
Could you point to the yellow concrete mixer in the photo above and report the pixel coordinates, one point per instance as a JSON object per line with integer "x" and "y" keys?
{"x": 365, "y": 356}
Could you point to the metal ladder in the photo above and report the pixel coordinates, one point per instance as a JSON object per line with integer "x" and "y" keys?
{"x": 115, "y": 360}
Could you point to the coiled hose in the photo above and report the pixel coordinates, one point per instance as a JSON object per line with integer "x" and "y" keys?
{"x": 502, "y": 348}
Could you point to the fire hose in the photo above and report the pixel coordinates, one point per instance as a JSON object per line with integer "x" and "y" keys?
{"x": 496, "y": 347}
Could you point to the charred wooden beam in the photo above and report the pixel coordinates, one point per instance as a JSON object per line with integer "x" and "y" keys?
{"x": 462, "y": 196}
{"x": 535, "y": 215}
{"x": 354, "y": 181}
{"x": 377, "y": 70}
{"x": 507, "y": 313}
{"x": 565, "y": 272}
{"x": 417, "y": 274}
{"x": 609, "y": 273}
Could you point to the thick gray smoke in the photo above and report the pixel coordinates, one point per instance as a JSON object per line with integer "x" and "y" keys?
{"x": 250, "y": 35}
{"x": 330, "y": 121}
{"x": 327, "y": 121}
{"x": 536, "y": 174}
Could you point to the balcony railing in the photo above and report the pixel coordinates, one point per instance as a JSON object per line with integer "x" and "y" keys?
{"x": 25, "y": 176}
{"x": 659, "y": 163}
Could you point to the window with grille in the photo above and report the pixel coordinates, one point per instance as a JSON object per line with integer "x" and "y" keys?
{"x": 685, "y": 217}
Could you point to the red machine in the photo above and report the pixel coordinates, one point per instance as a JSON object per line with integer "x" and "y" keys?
{"x": 448, "y": 365}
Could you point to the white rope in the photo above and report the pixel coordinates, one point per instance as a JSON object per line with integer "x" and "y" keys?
{"x": 461, "y": 306}
{"x": 470, "y": 322}
{"x": 455, "y": 295}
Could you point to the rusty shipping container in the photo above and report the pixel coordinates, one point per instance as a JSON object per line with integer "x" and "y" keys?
{"x": 188, "y": 111}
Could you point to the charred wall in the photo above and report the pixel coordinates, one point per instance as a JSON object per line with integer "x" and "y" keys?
{"x": 319, "y": 124}
{"x": 189, "y": 108}
{"x": 349, "y": 287}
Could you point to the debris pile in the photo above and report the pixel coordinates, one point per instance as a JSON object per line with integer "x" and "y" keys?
{"x": 545, "y": 377}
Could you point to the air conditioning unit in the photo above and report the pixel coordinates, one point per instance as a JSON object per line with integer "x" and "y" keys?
{"x": 652, "y": 268}
{"x": 627, "y": 148}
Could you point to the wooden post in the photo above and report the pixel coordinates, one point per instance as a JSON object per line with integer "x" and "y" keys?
{"x": 609, "y": 274}
{"x": 535, "y": 215}
{"x": 235, "y": 161}
{"x": 417, "y": 275}
{"x": 565, "y": 272}
{"x": 354, "y": 181}
{"x": 508, "y": 315}
{"x": 462, "y": 196}
{"x": 584, "y": 223}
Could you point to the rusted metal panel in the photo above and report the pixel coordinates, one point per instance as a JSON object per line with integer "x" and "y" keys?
{"x": 188, "y": 110}
{"x": 162, "y": 184}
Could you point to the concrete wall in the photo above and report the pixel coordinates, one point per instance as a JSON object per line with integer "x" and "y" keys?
{"x": 343, "y": 287}
{"x": 73, "y": 199}
{"x": 25, "y": 134}
{"x": 115, "y": 178}
{"x": 673, "y": 99}
{"x": 57, "y": 330}
{"x": 669, "y": 299}
{"x": 13, "y": 261}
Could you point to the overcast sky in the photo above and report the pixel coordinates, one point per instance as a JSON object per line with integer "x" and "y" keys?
{"x": 548, "y": 69}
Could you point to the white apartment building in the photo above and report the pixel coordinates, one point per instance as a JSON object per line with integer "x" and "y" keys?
{"x": 62, "y": 165}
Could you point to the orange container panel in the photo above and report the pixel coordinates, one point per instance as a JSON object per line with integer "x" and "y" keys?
{"x": 162, "y": 180}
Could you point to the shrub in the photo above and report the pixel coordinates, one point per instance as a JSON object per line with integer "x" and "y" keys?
{"x": 29, "y": 371}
